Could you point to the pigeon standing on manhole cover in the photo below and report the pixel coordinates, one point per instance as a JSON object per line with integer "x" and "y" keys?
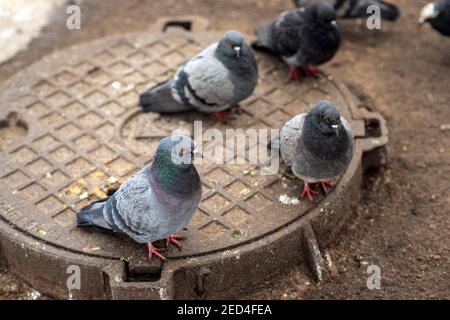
{"x": 156, "y": 202}
{"x": 317, "y": 146}
{"x": 218, "y": 78}
{"x": 304, "y": 38}
{"x": 354, "y": 9}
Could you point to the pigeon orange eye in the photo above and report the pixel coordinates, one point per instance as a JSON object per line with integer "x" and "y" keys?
{"x": 182, "y": 151}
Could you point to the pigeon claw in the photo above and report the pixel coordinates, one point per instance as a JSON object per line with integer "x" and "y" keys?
{"x": 310, "y": 71}
{"x": 223, "y": 116}
{"x": 294, "y": 73}
{"x": 325, "y": 185}
{"x": 309, "y": 193}
{"x": 172, "y": 239}
{"x": 155, "y": 251}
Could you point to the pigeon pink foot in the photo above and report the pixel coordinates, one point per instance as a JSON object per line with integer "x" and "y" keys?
{"x": 308, "y": 192}
{"x": 172, "y": 239}
{"x": 294, "y": 73}
{"x": 155, "y": 251}
{"x": 325, "y": 185}
{"x": 223, "y": 116}
{"x": 311, "y": 71}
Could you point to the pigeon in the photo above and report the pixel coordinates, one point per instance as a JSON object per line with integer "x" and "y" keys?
{"x": 305, "y": 37}
{"x": 302, "y": 3}
{"x": 438, "y": 15}
{"x": 218, "y": 78}
{"x": 353, "y": 9}
{"x": 156, "y": 202}
{"x": 317, "y": 146}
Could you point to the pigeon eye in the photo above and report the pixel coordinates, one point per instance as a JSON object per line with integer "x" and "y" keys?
{"x": 182, "y": 151}
{"x": 325, "y": 119}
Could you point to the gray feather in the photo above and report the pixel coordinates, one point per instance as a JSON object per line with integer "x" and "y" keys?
{"x": 264, "y": 37}
{"x": 211, "y": 87}
{"x": 305, "y": 164}
{"x": 302, "y": 37}
{"x": 289, "y": 135}
{"x": 209, "y": 82}
{"x": 352, "y": 9}
{"x": 137, "y": 210}
{"x": 92, "y": 215}
{"x": 157, "y": 201}
{"x": 160, "y": 99}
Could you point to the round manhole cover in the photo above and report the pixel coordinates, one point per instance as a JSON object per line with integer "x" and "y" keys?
{"x": 71, "y": 130}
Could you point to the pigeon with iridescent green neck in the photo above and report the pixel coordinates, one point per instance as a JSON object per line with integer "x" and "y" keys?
{"x": 156, "y": 202}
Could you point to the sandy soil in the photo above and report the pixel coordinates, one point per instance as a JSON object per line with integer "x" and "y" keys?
{"x": 402, "y": 71}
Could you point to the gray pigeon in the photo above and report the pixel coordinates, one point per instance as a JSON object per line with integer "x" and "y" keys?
{"x": 317, "y": 146}
{"x": 438, "y": 15}
{"x": 154, "y": 203}
{"x": 353, "y": 9}
{"x": 304, "y": 37}
{"x": 218, "y": 78}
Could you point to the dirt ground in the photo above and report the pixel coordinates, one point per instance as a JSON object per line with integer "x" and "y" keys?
{"x": 402, "y": 71}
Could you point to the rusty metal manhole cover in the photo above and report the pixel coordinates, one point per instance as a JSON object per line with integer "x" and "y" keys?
{"x": 69, "y": 127}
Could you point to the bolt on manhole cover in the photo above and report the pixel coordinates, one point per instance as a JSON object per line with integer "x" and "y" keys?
{"x": 70, "y": 130}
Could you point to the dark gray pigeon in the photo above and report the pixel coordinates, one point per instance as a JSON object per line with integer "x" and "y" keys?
{"x": 317, "y": 146}
{"x": 353, "y": 9}
{"x": 156, "y": 202}
{"x": 438, "y": 15}
{"x": 218, "y": 78}
{"x": 304, "y": 37}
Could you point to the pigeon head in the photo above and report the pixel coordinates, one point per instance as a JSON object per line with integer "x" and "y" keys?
{"x": 325, "y": 118}
{"x": 429, "y": 12}
{"x": 232, "y": 44}
{"x": 323, "y": 13}
{"x": 173, "y": 166}
{"x": 176, "y": 151}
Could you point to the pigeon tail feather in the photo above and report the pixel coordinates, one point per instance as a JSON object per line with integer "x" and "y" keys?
{"x": 390, "y": 12}
{"x": 264, "y": 38}
{"x": 160, "y": 99}
{"x": 358, "y": 9}
{"x": 92, "y": 215}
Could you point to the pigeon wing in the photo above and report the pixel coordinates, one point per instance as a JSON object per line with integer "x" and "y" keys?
{"x": 204, "y": 83}
{"x": 358, "y": 9}
{"x": 347, "y": 127}
{"x": 133, "y": 209}
{"x": 286, "y": 32}
{"x": 289, "y": 136}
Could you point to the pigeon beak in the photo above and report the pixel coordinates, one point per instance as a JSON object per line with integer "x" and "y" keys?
{"x": 237, "y": 51}
{"x": 335, "y": 128}
{"x": 334, "y": 23}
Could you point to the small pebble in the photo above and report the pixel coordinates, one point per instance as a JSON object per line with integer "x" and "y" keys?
{"x": 116, "y": 85}
{"x": 34, "y": 295}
